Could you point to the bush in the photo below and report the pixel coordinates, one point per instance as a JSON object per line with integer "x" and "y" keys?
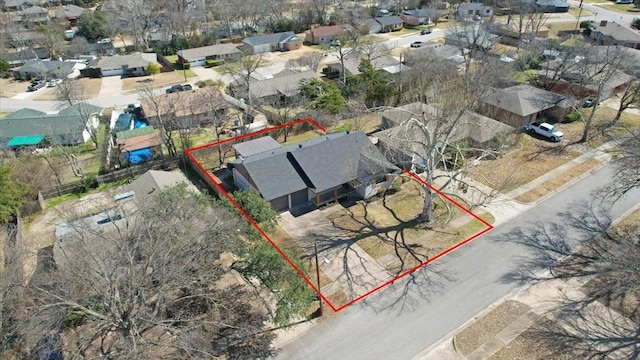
{"x": 185, "y": 66}
{"x": 209, "y": 83}
{"x": 214, "y": 62}
{"x": 571, "y": 117}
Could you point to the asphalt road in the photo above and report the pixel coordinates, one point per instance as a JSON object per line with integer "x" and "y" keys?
{"x": 402, "y": 320}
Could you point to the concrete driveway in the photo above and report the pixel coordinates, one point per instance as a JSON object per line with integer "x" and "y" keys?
{"x": 349, "y": 267}
{"x": 111, "y": 85}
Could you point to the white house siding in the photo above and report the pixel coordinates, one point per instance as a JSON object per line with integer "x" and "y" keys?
{"x": 197, "y": 62}
{"x": 367, "y": 191}
{"x": 259, "y": 49}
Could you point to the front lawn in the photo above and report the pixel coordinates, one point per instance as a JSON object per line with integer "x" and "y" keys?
{"x": 389, "y": 229}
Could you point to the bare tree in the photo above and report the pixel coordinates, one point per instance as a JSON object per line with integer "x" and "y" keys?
{"x": 629, "y": 98}
{"x": 243, "y": 68}
{"x": 310, "y": 60}
{"x": 72, "y": 94}
{"x": 158, "y": 109}
{"x": 144, "y": 285}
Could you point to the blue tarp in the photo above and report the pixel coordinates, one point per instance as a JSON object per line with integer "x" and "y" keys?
{"x": 138, "y": 156}
{"x": 139, "y": 124}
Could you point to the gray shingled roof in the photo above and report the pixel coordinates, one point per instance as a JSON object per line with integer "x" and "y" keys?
{"x": 389, "y": 20}
{"x": 616, "y": 31}
{"x": 203, "y": 52}
{"x": 133, "y": 60}
{"x": 524, "y": 99}
{"x": 320, "y": 164}
{"x": 276, "y": 38}
{"x": 256, "y": 146}
{"x": 288, "y": 84}
{"x": 57, "y": 68}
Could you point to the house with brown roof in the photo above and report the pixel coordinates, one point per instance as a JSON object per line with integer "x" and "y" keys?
{"x": 325, "y": 34}
{"x": 185, "y": 109}
{"x": 139, "y": 138}
{"x": 401, "y": 141}
{"x": 515, "y": 31}
{"x": 611, "y": 33}
{"x": 523, "y": 104}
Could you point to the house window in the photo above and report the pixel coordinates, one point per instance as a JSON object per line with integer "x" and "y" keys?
{"x": 488, "y": 11}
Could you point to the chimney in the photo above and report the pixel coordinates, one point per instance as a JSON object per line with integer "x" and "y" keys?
{"x": 603, "y": 23}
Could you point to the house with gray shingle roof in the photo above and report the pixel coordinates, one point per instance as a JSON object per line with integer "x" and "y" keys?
{"x": 316, "y": 171}
{"x": 198, "y": 56}
{"x": 285, "y": 84}
{"x": 284, "y": 41}
{"x": 44, "y": 69}
{"x": 70, "y": 126}
{"x": 32, "y": 15}
{"x": 125, "y": 65}
{"x": 611, "y": 33}
{"x": 471, "y": 37}
{"x": 523, "y": 104}
{"x": 389, "y": 23}
{"x": 69, "y": 14}
{"x": 352, "y": 61}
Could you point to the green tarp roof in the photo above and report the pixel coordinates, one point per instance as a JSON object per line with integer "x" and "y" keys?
{"x": 121, "y": 135}
{"x": 25, "y": 140}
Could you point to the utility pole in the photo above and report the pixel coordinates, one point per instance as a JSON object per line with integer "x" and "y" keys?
{"x": 315, "y": 247}
{"x": 578, "y": 21}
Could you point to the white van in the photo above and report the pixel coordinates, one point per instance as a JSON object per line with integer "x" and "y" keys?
{"x": 624, "y": 1}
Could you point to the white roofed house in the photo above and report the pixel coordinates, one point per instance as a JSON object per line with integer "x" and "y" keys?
{"x": 125, "y": 65}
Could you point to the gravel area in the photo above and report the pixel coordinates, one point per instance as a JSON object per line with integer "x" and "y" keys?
{"x": 485, "y": 328}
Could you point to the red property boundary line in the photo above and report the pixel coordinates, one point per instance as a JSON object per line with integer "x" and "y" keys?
{"x": 189, "y": 154}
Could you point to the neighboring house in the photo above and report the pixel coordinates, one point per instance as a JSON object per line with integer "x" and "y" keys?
{"x": 34, "y": 15}
{"x": 419, "y": 17}
{"x": 325, "y": 34}
{"x": 90, "y": 51}
{"x": 198, "y": 56}
{"x": 403, "y": 144}
{"x": 120, "y": 214}
{"x": 185, "y": 109}
{"x": 69, "y": 14}
{"x": 472, "y": 37}
{"x": 369, "y": 26}
{"x": 611, "y": 33}
{"x": 45, "y": 69}
{"x": 125, "y": 65}
{"x": 523, "y": 104}
{"x": 316, "y": 171}
{"x": 516, "y": 31}
{"x": 143, "y": 138}
{"x": 553, "y": 6}
{"x": 352, "y": 61}
{"x": 22, "y": 39}
{"x": 284, "y": 41}
{"x": 67, "y": 127}
{"x": 583, "y": 81}
{"x": 16, "y": 59}
{"x": 281, "y": 87}
{"x": 390, "y": 23}
{"x": 14, "y": 5}
{"x": 442, "y": 52}
{"x": 474, "y": 9}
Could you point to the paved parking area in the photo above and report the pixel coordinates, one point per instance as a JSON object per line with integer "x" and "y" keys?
{"x": 349, "y": 267}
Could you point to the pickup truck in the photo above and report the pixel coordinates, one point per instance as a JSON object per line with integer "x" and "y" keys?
{"x": 544, "y": 129}
{"x": 179, "y": 87}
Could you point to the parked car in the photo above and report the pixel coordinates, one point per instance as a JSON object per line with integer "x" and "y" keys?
{"x": 426, "y": 31}
{"x": 178, "y": 88}
{"x": 588, "y": 102}
{"x": 36, "y": 85}
{"x": 544, "y": 129}
{"x": 416, "y": 44}
{"x": 54, "y": 82}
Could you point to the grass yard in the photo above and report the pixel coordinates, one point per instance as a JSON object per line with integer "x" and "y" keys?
{"x": 488, "y": 326}
{"x": 553, "y": 184}
{"x": 387, "y": 228}
{"x": 523, "y": 77}
{"x": 161, "y": 80}
{"x": 404, "y": 32}
{"x": 603, "y": 115}
{"x": 556, "y": 30}
{"x": 11, "y": 87}
{"x": 621, "y": 8}
{"x": 575, "y": 11}
{"x": 89, "y": 88}
{"x": 530, "y": 159}
{"x": 531, "y": 346}
{"x": 365, "y": 123}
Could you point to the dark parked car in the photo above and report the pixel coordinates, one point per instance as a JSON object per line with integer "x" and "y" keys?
{"x": 426, "y": 31}
{"x": 178, "y": 88}
{"x": 416, "y": 44}
{"x": 36, "y": 85}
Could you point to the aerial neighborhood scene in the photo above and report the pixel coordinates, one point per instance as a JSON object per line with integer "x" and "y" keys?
{"x": 320, "y": 179}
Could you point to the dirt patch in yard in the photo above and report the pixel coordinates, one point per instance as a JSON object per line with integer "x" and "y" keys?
{"x": 161, "y": 80}
{"x": 88, "y": 87}
{"x": 11, "y": 87}
{"x": 487, "y": 327}
{"x": 553, "y": 184}
{"x": 530, "y": 159}
{"x": 534, "y": 345}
